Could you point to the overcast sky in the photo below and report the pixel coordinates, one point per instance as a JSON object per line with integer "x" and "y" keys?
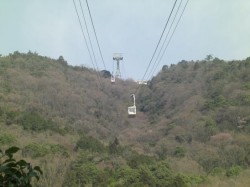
{"x": 131, "y": 27}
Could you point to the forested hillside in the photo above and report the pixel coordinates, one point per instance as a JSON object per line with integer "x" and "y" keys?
{"x": 62, "y": 94}
{"x": 192, "y": 126}
{"x": 202, "y": 111}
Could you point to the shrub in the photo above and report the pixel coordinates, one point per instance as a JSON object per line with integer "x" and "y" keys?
{"x": 136, "y": 160}
{"x": 244, "y": 99}
{"x": 83, "y": 172}
{"x": 216, "y": 102}
{"x": 33, "y": 121}
{"x": 8, "y": 116}
{"x": 114, "y": 146}
{"x": 7, "y": 139}
{"x": 91, "y": 144}
{"x": 180, "y": 181}
{"x": 183, "y": 138}
{"x": 127, "y": 175}
{"x": 39, "y": 150}
{"x": 179, "y": 151}
{"x": 209, "y": 162}
{"x": 233, "y": 171}
{"x": 11, "y": 117}
{"x": 217, "y": 171}
{"x": 16, "y": 173}
{"x": 246, "y": 86}
{"x": 195, "y": 179}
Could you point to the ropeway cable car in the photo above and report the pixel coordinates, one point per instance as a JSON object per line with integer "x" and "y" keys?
{"x": 112, "y": 79}
{"x": 132, "y": 109}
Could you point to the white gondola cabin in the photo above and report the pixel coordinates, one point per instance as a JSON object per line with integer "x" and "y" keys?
{"x": 132, "y": 109}
{"x": 112, "y": 79}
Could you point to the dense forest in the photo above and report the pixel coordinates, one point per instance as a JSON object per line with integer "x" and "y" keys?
{"x": 192, "y": 126}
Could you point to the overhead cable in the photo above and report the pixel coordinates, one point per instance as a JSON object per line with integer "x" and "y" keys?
{"x": 84, "y": 35}
{"x": 163, "y": 44}
{"x": 98, "y": 77}
{"x": 86, "y": 26}
{"x": 171, "y": 36}
{"x": 124, "y": 71}
{"x": 157, "y": 45}
{"x": 95, "y": 34}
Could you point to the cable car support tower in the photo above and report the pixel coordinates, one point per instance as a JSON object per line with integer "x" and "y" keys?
{"x": 118, "y": 58}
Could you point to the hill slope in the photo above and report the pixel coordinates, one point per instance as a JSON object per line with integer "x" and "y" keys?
{"x": 201, "y": 104}
{"x": 71, "y": 96}
{"x": 194, "y": 114}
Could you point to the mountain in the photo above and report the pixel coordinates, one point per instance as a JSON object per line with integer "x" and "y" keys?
{"x": 67, "y": 95}
{"x": 192, "y": 125}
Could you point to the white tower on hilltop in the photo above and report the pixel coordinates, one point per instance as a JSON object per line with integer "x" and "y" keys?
{"x": 117, "y": 57}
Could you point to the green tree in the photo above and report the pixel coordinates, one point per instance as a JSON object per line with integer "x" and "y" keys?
{"x": 209, "y": 57}
{"x": 113, "y": 146}
{"x": 62, "y": 61}
{"x": 16, "y": 173}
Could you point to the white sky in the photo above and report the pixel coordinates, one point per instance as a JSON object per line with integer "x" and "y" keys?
{"x": 131, "y": 27}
